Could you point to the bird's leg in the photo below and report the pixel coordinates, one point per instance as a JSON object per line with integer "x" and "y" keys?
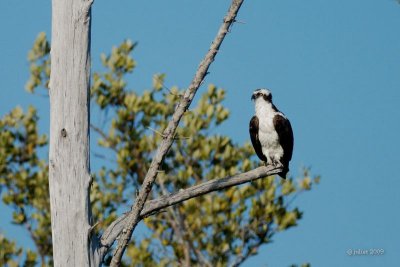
{"x": 277, "y": 163}
{"x": 269, "y": 161}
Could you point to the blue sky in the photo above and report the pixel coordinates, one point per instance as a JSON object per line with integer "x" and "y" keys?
{"x": 333, "y": 68}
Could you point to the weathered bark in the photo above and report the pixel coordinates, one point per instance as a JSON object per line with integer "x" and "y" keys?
{"x": 69, "y": 177}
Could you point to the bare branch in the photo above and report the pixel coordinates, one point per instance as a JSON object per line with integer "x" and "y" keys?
{"x": 252, "y": 248}
{"x": 152, "y": 206}
{"x": 251, "y": 251}
{"x": 135, "y": 216}
{"x": 207, "y": 187}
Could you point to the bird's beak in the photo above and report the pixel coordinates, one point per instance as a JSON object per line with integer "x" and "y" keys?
{"x": 253, "y": 97}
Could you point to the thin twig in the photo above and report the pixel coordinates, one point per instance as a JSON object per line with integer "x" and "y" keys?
{"x": 163, "y": 136}
{"x": 182, "y": 137}
{"x": 94, "y": 226}
{"x": 105, "y": 137}
{"x": 240, "y": 21}
{"x": 157, "y": 132}
{"x": 101, "y": 156}
{"x": 166, "y": 88}
{"x": 197, "y": 252}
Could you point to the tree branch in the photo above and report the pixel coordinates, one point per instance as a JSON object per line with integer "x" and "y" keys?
{"x": 207, "y": 187}
{"x": 152, "y": 206}
{"x": 252, "y": 248}
{"x": 169, "y": 133}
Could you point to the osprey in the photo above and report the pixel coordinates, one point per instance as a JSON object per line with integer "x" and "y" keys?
{"x": 270, "y": 132}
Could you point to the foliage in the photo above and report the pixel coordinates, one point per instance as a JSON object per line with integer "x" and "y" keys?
{"x": 39, "y": 59}
{"x": 217, "y": 229}
{"x": 25, "y": 176}
{"x": 11, "y": 255}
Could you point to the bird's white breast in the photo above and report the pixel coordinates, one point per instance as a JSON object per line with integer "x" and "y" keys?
{"x": 267, "y": 134}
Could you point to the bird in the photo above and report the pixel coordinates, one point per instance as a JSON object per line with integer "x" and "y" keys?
{"x": 271, "y": 132}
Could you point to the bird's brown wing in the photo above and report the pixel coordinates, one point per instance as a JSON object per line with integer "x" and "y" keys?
{"x": 253, "y": 129}
{"x": 285, "y": 134}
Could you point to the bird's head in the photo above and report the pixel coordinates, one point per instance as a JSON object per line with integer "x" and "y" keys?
{"x": 264, "y": 94}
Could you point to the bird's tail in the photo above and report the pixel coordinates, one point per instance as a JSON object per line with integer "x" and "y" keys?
{"x": 284, "y": 172}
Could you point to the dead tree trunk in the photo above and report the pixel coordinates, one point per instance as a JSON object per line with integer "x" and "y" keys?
{"x": 69, "y": 177}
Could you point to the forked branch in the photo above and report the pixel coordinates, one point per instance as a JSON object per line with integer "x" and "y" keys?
{"x": 168, "y": 134}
